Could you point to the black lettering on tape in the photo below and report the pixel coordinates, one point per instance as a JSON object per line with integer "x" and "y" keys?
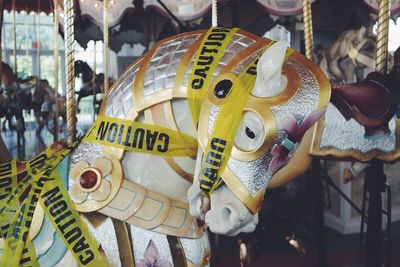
{"x": 218, "y": 144}
{"x": 112, "y": 132}
{"x": 151, "y": 140}
{"x": 197, "y": 83}
{"x": 138, "y": 138}
{"x": 127, "y": 137}
{"x": 101, "y": 132}
{"x": 163, "y": 137}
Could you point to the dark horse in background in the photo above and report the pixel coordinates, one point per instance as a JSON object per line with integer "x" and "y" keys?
{"x": 26, "y": 94}
{"x": 92, "y": 84}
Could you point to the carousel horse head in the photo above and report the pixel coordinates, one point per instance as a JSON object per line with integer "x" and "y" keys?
{"x": 82, "y": 67}
{"x": 288, "y": 97}
{"x": 7, "y": 74}
{"x": 353, "y": 49}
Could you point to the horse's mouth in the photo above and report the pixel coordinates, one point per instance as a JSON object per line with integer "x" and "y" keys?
{"x": 201, "y": 223}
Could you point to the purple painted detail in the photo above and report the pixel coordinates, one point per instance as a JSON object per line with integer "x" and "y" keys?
{"x": 151, "y": 257}
{"x": 295, "y": 131}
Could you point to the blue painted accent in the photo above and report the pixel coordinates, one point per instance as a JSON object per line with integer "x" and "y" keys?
{"x": 57, "y": 250}
{"x": 377, "y": 137}
{"x": 288, "y": 144}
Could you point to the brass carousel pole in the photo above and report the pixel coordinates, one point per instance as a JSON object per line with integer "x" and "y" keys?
{"x": 308, "y": 29}
{"x": 14, "y": 38}
{"x": 214, "y": 13}
{"x": 69, "y": 68}
{"x": 56, "y": 55}
{"x": 105, "y": 44}
{"x": 375, "y": 178}
{"x": 382, "y": 36}
{"x": 94, "y": 79}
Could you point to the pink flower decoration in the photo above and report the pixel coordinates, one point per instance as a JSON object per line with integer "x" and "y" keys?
{"x": 151, "y": 257}
{"x": 295, "y": 132}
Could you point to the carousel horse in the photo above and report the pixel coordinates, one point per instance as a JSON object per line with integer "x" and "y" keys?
{"x": 27, "y": 94}
{"x": 89, "y": 86}
{"x": 148, "y": 210}
{"x": 353, "y": 49}
{"x": 16, "y": 96}
{"x": 49, "y": 100}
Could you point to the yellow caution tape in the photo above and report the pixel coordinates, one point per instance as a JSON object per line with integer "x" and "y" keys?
{"x": 8, "y": 178}
{"x": 220, "y": 142}
{"x": 66, "y": 220}
{"x": 208, "y": 55}
{"x": 28, "y": 258}
{"x": 40, "y": 169}
{"x": 47, "y": 188}
{"x": 140, "y": 137}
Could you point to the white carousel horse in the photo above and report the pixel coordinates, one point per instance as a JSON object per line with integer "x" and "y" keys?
{"x": 142, "y": 208}
{"x": 354, "y": 48}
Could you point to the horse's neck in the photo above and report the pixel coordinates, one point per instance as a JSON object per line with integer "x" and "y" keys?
{"x": 8, "y": 79}
{"x": 169, "y": 176}
{"x": 87, "y": 76}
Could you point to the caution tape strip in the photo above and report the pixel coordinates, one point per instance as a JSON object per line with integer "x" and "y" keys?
{"x": 210, "y": 52}
{"x": 141, "y": 137}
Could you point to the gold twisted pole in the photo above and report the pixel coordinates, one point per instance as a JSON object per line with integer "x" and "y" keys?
{"x": 308, "y": 29}
{"x": 383, "y": 36}
{"x": 105, "y": 44}
{"x": 94, "y": 79}
{"x": 214, "y": 13}
{"x": 56, "y": 55}
{"x": 15, "y": 38}
{"x": 69, "y": 67}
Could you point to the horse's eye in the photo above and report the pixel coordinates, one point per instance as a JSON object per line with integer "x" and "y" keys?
{"x": 222, "y": 88}
{"x": 250, "y": 133}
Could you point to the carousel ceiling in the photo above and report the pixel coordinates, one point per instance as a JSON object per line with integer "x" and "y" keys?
{"x": 283, "y": 7}
{"x": 394, "y": 6}
{"x": 29, "y": 5}
{"x": 141, "y": 21}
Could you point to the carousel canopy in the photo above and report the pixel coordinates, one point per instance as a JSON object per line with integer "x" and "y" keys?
{"x": 29, "y": 5}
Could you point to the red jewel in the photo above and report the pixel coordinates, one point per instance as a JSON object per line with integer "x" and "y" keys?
{"x": 88, "y": 179}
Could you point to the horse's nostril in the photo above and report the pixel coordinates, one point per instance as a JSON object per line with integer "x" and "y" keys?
{"x": 226, "y": 212}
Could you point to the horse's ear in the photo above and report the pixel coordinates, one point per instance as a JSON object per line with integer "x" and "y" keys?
{"x": 269, "y": 68}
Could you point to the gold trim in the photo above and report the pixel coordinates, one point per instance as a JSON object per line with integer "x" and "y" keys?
{"x": 211, "y": 95}
{"x": 98, "y": 180}
{"x": 262, "y": 112}
{"x": 293, "y": 85}
{"x": 116, "y": 180}
{"x": 169, "y": 116}
{"x": 157, "y": 114}
{"x": 179, "y": 90}
{"x": 171, "y": 226}
{"x": 128, "y": 192}
{"x": 253, "y": 203}
{"x": 259, "y": 43}
{"x": 350, "y": 154}
{"x": 149, "y": 208}
{"x": 124, "y": 244}
{"x": 142, "y": 102}
{"x": 177, "y": 252}
{"x": 173, "y": 218}
{"x": 180, "y": 171}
